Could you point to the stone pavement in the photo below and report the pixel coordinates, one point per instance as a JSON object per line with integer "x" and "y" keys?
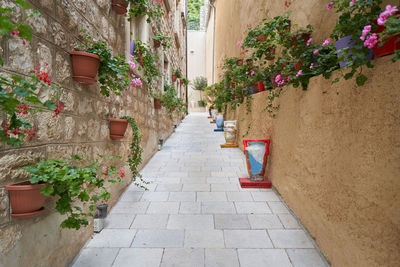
{"x": 196, "y": 214}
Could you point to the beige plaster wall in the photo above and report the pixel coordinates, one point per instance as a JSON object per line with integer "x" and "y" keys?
{"x": 82, "y": 127}
{"x": 335, "y": 155}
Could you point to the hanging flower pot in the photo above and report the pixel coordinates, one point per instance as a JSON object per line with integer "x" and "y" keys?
{"x": 389, "y": 46}
{"x": 26, "y": 199}
{"x": 346, "y": 42}
{"x": 239, "y": 62}
{"x": 181, "y": 81}
{"x": 85, "y": 66}
{"x": 256, "y": 152}
{"x": 174, "y": 77}
{"x": 119, "y": 6}
{"x": 157, "y": 43}
{"x": 303, "y": 36}
{"x": 271, "y": 55}
{"x": 157, "y": 104}
{"x": 117, "y": 128}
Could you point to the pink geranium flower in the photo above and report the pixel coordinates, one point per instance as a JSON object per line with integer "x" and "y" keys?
{"x": 329, "y": 6}
{"x": 367, "y": 29}
{"x": 299, "y": 73}
{"x": 311, "y": 66}
{"x": 371, "y": 41}
{"x": 326, "y": 42}
{"x": 352, "y": 2}
{"x": 390, "y": 10}
{"x": 315, "y": 51}
{"x": 309, "y": 41}
{"x": 239, "y": 43}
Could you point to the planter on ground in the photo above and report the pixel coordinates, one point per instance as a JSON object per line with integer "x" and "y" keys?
{"x": 117, "y": 128}
{"x": 26, "y": 199}
{"x": 85, "y": 66}
{"x": 119, "y": 6}
{"x": 256, "y": 152}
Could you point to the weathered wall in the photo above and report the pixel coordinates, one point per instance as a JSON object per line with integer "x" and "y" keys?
{"x": 335, "y": 148}
{"x": 82, "y": 126}
{"x": 196, "y": 65}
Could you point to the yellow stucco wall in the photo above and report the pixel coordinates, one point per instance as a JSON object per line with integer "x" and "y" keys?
{"x": 335, "y": 154}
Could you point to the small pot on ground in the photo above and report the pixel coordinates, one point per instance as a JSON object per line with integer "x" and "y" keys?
{"x": 102, "y": 210}
{"x": 119, "y": 6}
{"x": 85, "y": 66}
{"x": 157, "y": 104}
{"x": 117, "y": 128}
{"x": 26, "y": 199}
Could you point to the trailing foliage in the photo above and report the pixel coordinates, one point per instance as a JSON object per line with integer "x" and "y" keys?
{"x": 164, "y": 39}
{"x": 145, "y": 7}
{"x": 75, "y": 179}
{"x": 147, "y": 61}
{"x": 200, "y": 83}
{"x": 135, "y": 157}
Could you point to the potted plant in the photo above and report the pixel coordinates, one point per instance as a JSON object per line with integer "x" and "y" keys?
{"x": 147, "y": 62}
{"x": 113, "y": 71}
{"x": 202, "y": 103}
{"x": 176, "y": 74}
{"x": 119, "y": 6}
{"x": 75, "y": 179}
{"x": 150, "y": 9}
{"x": 157, "y": 99}
{"x": 163, "y": 40}
{"x": 26, "y": 199}
{"x": 117, "y": 128}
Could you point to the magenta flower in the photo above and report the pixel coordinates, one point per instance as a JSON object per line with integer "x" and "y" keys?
{"x": 132, "y": 64}
{"x": 329, "y": 6}
{"x": 326, "y": 42}
{"x": 311, "y": 66}
{"x": 252, "y": 73}
{"x": 309, "y": 41}
{"x": 367, "y": 29}
{"x": 315, "y": 51}
{"x": 390, "y": 10}
{"x": 352, "y": 2}
{"x": 371, "y": 41}
{"x": 299, "y": 73}
{"x": 239, "y": 43}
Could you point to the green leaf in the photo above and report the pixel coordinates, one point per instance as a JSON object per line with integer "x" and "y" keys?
{"x": 23, "y": 4}
{"x": 361, "y": 79}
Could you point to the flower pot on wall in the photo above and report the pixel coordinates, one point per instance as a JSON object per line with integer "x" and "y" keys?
{"x": 388, "y": 47}
{"x": 117, "y": 128}
{"x": 157, "y": 43}
{"x": 119, "y": 6}
{"x": 174, "y": 77}
{"x": 181, "y": 82}
{"x": 256, "y": 152}
{"x": 26, "y": 199}
{"x": 239, "y": 62}
{"x": 272, "y": 54}
{"x": 259, "y": 87}
{"x": 157, "y": 104}
{"x": 85, "y": 66}
{"x": 346, "y": 42}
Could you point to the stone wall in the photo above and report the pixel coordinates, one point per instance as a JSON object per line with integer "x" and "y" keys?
{"x": 82, "y": 127}
{"x": 335, "y": 148}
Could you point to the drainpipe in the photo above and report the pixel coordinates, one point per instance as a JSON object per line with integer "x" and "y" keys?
{"x": 212, "y": 5}
{"x": 186, "y": 45}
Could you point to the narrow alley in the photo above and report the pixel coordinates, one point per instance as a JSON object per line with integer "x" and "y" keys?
{"x": 196, "y": 214}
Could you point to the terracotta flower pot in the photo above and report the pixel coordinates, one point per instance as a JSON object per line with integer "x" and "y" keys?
{"x": 182, "y": 82}
{"x": 157, "y": 104}
{"x": 305, "y": 36}
{"x": 85, "y": 66}
{"x": 174, "y": 77}
{"x": 117, "y": 128}
{"x": 272, "y": 54}
{"x": 26, "y": 199}
{"x": 157, "y": 43}
{"x": 259, "y": 87}
{"x": 119, "y": 6}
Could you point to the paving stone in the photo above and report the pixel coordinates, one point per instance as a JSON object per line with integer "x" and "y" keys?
{"x": 221, "y": 258}
{"x": 305, "y": 258}
{"x": 190, "y": 208}
{"x": 225, "y": 187}
{"x": 169, "y": 180}
{"x": 155, "y": 196}
{"x": 169, "y": 188}
{"x": 150, "y": 221}
{"x": 138, "y": 257}
{"x": 101, "y": 257}
{"x": 265, "y": 221}
{"x": 109, "y": 238}
{"x": 290, "y": 239}
{"x": 239, "y": 196}
{"x": 163, "y": 208}
{"x": 118, "y": 220}
{"x": 226, "y": 221}
{"x": 247, "y": 239}
{"x": 182, "y": 196}
{"x": 194, "y": 180}
{"x": 204, "y": 239}
{"x": 131, "y": 196}
{"x": 277, "y": 207}
{"x": 265, "y": 196}
{"x": 218, "y": 180}
{"x": 263, "y": 257}
{"x": 289, "y": 221}
{"x": 159, "y": 238}
{"x": 219, "y": 207}
{"x": 195, "y": 222}
{"x": 211, "y": 196}
{"x": 196, "y": 187}
{"x": 130, "y": 208}
{"x": 193, "y": 257}
{"x": 252, "y": 207}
